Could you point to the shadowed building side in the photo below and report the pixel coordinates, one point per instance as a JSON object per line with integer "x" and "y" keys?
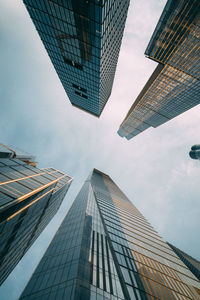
{"x": 29, "y": 198}
{"x": 192, "y": 263}
{"x": 83, "y": 40}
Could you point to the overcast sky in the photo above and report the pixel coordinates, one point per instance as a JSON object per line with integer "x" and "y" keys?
{"x": 153, "y": 169}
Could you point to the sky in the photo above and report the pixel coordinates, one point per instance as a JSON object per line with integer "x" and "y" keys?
{"x": 153, "y": 169}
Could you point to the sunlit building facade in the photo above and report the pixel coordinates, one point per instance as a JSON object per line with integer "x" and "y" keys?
{"x": 174, "y": 86}
{"x": 29, "y": 198}
{"x": 83, "y": 40}
{"x": 106, "y": 249}
{"x": 192, "y": 263}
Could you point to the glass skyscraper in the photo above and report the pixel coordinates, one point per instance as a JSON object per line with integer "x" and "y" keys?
{"x": 106, "y": 249}
{"x": 174, "y": 86}
{"x": 83, "y": 40}
{"x": 29, "y": 198}
{"x": 192, "y": 263}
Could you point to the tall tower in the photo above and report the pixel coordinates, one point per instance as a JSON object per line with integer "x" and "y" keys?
{"x": 83, "y": 39}
{"x": 29, "y": 198}
{"x": 174, "y": 86}
{"x": 106, "y": 249}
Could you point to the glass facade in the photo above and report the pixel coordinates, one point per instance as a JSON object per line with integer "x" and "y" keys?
{"x": 174, "y": 86}
{"x": 83, "y": 40}
{"x": 192, "y": 263}
{"x": 175, "y": 40}
{"x": 29, "y": 198}
{"x": 106, "y": 249}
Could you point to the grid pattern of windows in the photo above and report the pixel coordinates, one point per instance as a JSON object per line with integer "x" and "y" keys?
{"x": 169, "y": 94}
{"x": 192, "y": 263}
{"x": 148, "y": 266}
{"x": 57, "y": 271}
{"x": 78, "y": 257}
{"x": 29, "y": 198}
{"x": 106, "y": 249}
{"x": 174, "y": 86}
{"x": 175, "y": 40}
{"x": 83, "y": 40}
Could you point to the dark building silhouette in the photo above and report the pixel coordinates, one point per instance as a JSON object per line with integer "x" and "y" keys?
{"x": 174, "y": 86}
{"x": 195, "y": 152}
{"x": 83, "y": 40}
{"x": 106, "y": 249}
{"x": 29, "y": 198}
{"x": 192, "y": 263}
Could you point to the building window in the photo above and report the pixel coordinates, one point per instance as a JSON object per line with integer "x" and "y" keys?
{"x": 80, "y": 94}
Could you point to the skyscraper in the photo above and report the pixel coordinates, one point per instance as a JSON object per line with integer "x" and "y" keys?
{"x": 83, "y": 40}
{"x": 106, "y": 249}
{"x": 29, "y": 198}
{"x": 174, "y": 86}
{"x": 192, "y": 263}
{"x": 195, "y": 152}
